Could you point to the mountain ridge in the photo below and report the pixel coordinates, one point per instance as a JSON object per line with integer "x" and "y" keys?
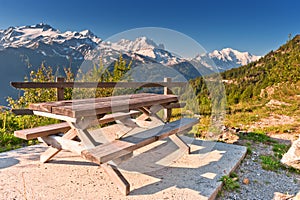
{"x": 24, "y": 48}
{"x": 33, "y": 35}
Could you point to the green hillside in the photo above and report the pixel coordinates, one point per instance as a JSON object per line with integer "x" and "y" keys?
{"x": 277, "y": 67}
{"x": 264, "y": 93}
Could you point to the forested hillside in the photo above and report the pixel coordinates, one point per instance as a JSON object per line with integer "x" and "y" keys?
{"x": 276, "y": 70}
{"x": 277, "y": 67}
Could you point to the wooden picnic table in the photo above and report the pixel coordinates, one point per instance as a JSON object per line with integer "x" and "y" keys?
{"x": 112, "y": 143}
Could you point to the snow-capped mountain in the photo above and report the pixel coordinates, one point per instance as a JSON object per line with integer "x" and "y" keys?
{"x": 226, "y": 59}
{"x": 39, "y": 37}
{"x": 28, "y": 36}
{"x": 25, "y": 46}
{"x": 141, "y": 46}
{"x": 50, "y": 42}
{"x": 136, "y": 45}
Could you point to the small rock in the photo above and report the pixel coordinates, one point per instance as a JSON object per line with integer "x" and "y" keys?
{"x": 292, "y": 157}
{"x": 280, "y": 196}
{"x": 235, "y": 179}
{"x": 297, "y": 197}
{"x": 274, "y": 103}
{"x": 246, "y": 181}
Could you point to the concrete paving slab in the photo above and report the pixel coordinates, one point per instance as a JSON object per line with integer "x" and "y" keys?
{"x": 159, "y": 171}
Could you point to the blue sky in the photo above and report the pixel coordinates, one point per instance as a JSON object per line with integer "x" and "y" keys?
{"x": 254, "y": 26}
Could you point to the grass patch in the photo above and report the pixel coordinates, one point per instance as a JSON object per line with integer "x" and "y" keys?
{"x": 9, "y": 147}
{"x": 245, "y": 113}
{"x": 285, "y": 128}
{"x": 249, "y": 148}
{"x": 10, "y": 123}
{"x": 230, "y": 183}
{"x": 270, "y": 163}
{"x": 9, "y": 142}
{"x": 293, "y": 170}
{"x": 273, "y": 163}
{"x": 287, "y": 110}
{"x": 8, "y": 138}
{"x": 241, "y": 118}
{"x": 280, "y": 149}
{"x": 257, "y": 137}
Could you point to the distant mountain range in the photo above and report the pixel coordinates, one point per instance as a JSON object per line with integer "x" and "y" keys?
{"x": 21, "y": 47}
{"x": 227, "y": 59}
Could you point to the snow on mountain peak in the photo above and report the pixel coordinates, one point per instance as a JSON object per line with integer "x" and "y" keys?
{"x": 30, "y": 36}
{"x": 228, "y": 58}
{"x": 145, "y": 47}
{"x": 86, "y": 33}
{"x": 40, "y": 25}
{"x": 140, "y": 43}
{"x": 144, "y": 43}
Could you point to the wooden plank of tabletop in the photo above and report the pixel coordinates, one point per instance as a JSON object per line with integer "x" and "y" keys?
{"x": 105, "y": 107}
{"x": 47, "y": 106}
{"x": 123, "y": 105}
{"x": 81, "y": 110}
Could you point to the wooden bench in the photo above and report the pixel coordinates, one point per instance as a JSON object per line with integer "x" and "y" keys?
{"x": 33, "y": 133}
{"x": 117, "y": 148}
{"x": 53, "y": 129}
{"x": 123, "y": 147}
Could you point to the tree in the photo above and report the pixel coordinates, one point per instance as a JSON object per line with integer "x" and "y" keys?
{"x": 289, "y": 37}
{"x": 100, "y": 74}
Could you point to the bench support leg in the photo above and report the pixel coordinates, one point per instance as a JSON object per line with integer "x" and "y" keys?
{"x": 48, "y": 154}
{"x": 117, "y": 178}
{"x": 81, "y": 129}
{"x": 180, "y": 143}
{"x": 150, "y": 113}
{"x": 51, "y": 152}
{"x": 167, "y": 114}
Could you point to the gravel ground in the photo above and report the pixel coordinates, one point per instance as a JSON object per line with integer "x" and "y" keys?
{"x": 262, "y": 183}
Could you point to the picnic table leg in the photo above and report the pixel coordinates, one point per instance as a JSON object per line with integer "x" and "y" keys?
{"x": 117, "y": 178}
{"x": 51, "y": 151}
{"x": 150, "y": 113}
{"x": 81, "y": 129}
{"x": 180, "y": 143}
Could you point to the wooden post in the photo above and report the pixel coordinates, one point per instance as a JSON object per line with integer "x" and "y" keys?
{"x": 167, "y": 111}
{"x": 60, "y": 90}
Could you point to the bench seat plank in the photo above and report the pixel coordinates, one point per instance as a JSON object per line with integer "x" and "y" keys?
{"x": 109, "y": 151}
{"x": 42, "y": 131}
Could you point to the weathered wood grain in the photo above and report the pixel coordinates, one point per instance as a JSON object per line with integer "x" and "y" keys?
{"x": 51, "y": 151}
{"x": 47, "y": 106}
{"x": 42, "y": 131}
{"x": 117, "y": 178}
{"x": 82, "y": 110}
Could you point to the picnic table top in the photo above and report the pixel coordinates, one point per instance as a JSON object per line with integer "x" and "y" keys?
{"x": 97, "y": 106}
